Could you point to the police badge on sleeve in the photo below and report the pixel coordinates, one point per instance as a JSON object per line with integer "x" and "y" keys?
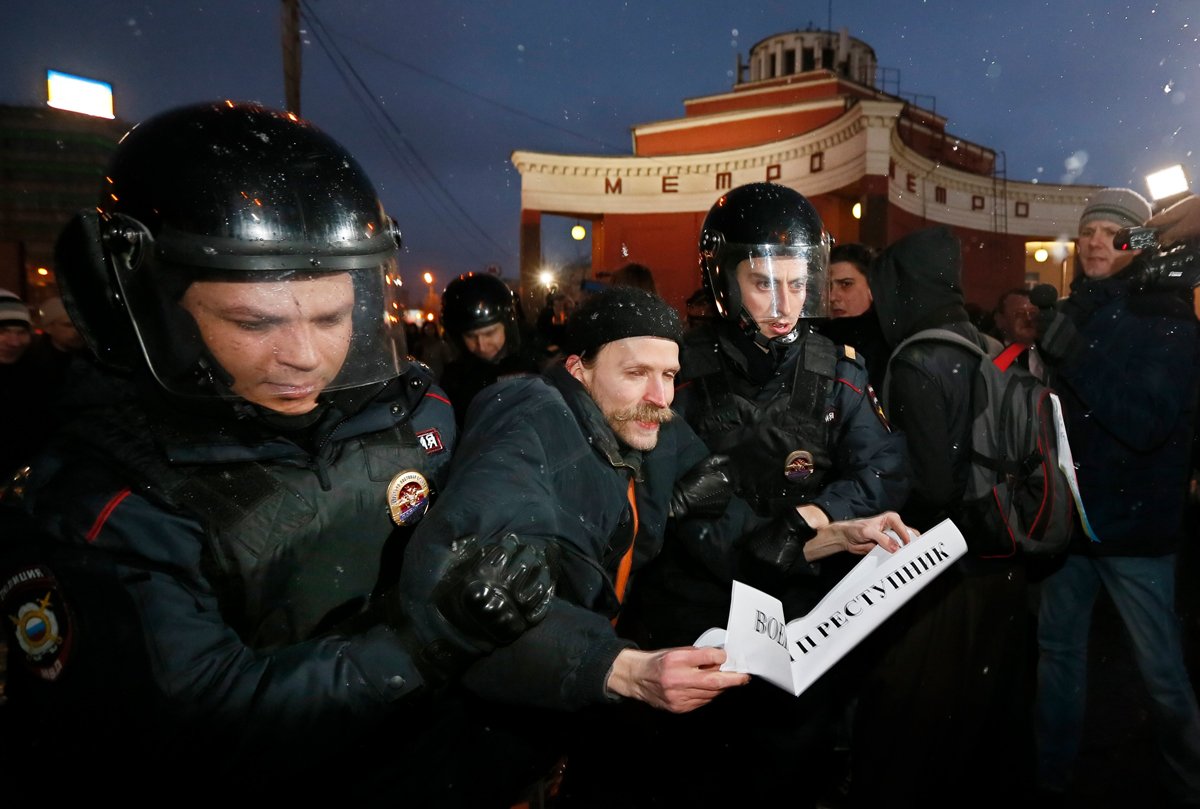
{"x": 37, "y": 621}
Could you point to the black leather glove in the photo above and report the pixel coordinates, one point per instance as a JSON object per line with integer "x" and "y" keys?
{"x": 769, "y": 553}
{"x": 705, "y": 490}
{"x": 487, "y": 596}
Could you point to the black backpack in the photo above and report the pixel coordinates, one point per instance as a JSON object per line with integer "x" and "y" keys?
{"x": 1016, "y": 494}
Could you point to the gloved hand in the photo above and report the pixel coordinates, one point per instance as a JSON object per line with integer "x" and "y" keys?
{"x": 770, "y": 552}
{"x": 486, "y": 596}
{"x": 705, "y": 490}
{"x": 1058, "y": 340}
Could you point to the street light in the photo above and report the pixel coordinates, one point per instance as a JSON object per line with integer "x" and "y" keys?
{"x": 428, "y": 278}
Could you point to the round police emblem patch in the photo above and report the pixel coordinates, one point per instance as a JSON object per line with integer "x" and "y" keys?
{"x": 799, "y": 466}
{"x": 38, "y": 619}
{"x": 408, "y": 497}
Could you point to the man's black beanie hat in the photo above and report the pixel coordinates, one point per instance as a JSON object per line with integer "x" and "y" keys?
{"x": 617, "y": 313}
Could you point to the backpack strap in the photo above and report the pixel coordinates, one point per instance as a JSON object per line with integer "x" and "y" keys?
{"x": 1009, "y": 355}
{"x": 926, "y": 336}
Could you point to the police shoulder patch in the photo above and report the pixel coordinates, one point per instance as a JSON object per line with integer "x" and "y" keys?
{"x": 849, "y": 353}
{"x": 38, "y": 621}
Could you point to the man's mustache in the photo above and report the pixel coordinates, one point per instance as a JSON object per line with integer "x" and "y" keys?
{"x": 644, "y": 412}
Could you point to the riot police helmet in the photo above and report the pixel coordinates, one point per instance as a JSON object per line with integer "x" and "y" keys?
{"x": 236, "y": 252}
{"x": 764, "y": 258}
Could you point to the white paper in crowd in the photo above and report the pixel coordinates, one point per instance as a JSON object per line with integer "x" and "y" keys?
{"x": 795, "y": 654}
{"x": 1067, "y": 464}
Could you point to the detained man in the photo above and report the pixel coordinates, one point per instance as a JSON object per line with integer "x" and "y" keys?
{"x": 590, "y": 459}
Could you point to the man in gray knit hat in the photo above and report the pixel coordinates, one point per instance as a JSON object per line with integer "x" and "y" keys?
{"x": 1123, "y": 358}
{"x": 16, "y": 330}
{"x": 1106, "y": 213}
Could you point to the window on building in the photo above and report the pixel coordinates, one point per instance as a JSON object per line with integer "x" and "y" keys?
{"x": 808, "y": 60}
{"x": 789, "y": 61}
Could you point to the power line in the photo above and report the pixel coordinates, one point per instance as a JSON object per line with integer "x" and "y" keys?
{"x": 413, "y": 164}
{"x": 480, "y": 97}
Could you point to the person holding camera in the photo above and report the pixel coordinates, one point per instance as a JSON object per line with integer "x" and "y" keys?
{"x": 1123, "y": 357}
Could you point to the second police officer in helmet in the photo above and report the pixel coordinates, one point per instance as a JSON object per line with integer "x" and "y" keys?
{"x": 805, "y": 434}
{"x": 207, "y": 593}
{"x": 479, "y": 313}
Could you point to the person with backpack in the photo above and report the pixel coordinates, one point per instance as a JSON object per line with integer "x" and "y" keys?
{"x": 949, "y": 672}
{"x": 1124, "y": 358}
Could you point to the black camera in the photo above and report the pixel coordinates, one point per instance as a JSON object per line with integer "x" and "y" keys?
{"x": 1177, "y": 267}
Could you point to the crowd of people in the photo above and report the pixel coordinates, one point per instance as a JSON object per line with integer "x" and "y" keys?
{"x": 256, "y": 548}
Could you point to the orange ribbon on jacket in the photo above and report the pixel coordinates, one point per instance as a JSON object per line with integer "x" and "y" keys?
{"x": 627, "y": 560}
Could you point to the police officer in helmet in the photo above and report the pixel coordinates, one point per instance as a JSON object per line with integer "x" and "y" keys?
{"x": 807, "y": 441}
{"x": 206, "y": 588}
{"x": 479, "y": 313}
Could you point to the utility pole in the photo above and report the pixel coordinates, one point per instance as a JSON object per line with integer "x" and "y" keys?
{"x": 291, "y": 54}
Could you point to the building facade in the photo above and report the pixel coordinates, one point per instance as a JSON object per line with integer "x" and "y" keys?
{"x": 51, "y": 165}
{"x": 806, "y": 111}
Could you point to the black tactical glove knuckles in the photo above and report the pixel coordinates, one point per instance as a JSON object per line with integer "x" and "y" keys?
{"x": 705, "y": 490}
{"x": 487, "y": 596}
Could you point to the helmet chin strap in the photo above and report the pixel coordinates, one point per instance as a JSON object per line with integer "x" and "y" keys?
{"x": 749, "y": 326}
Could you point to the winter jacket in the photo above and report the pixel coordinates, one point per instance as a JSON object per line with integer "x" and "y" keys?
{"x": 915, "y": 285}
{"x": 538, "y": 459}
{"x": 1130, "y": 400}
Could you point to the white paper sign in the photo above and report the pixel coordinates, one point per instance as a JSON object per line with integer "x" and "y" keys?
{"x": 1066, "y": 462}
{"x": 793, "y": 655}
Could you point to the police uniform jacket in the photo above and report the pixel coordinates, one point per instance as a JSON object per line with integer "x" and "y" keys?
{"x": 207, "y": 573}
{"x": 537, "y": 458}
{"x": 464, "y": 377}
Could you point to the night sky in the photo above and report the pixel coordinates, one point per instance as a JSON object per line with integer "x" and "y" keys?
{"x": 1069, "y": 90}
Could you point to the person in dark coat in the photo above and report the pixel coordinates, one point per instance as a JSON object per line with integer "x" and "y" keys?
{"x": 204, "y": 579}
{"x": 852, "y": 320}
{"x": 951, "y": 671}
{"x": 1124, "y": 359}
{"x": 25, "y": 390}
